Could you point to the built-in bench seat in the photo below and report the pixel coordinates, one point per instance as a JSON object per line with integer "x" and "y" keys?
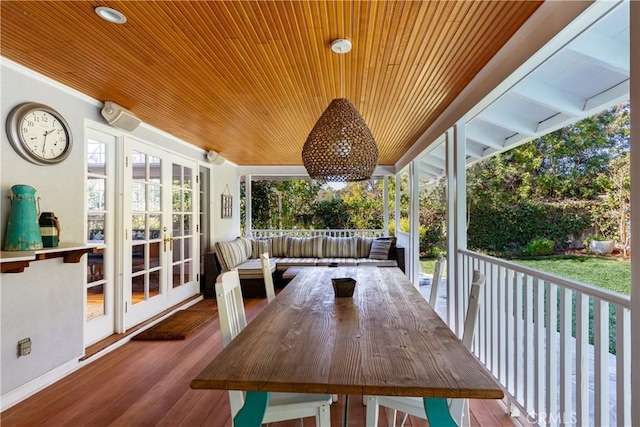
{"x": 285, "y": 252}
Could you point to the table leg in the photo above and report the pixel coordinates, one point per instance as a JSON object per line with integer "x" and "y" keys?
{"x": 438, "y": 413}
{"x": 252, "y": 412}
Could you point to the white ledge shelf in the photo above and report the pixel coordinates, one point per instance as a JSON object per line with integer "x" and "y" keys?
{"x": 17, "y": 261}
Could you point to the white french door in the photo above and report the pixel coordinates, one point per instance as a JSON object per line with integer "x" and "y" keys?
{"x": 160, "y": 259}
{"x": 100, "y": 302}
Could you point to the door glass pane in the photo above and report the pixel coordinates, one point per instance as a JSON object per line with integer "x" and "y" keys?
{"x": 176, "y": 276}
{"x": 138, "y": 258}
{"x": 187, "y": 272}
{"x": 176, "y": 220}
{"x": 95, "y": 225}
{"x": 187, "y": 224}
{"x": 187, "y": 178}
{"x": 186, "y": 201}
{"x": 96, "y": 193}
{"x": 138, "y": 196}
{"x": 154, "y": 169}
{"x": 187, "y": 248}
{"x": 154, "y": 227}
{"x": 138, "y": 227}
{"x": 139, "y": 165}
{"x": 95, "y": 266}
{"x": 154, "y": 197}
{"x": 95, "y": 302}
{"x": 176, "y": 199}
{"x": 177, "y": 250}
{"x": 154, "y": 283}
{"x": 96, "y": 157}
{"x": 176, "y": 175}
{"x": 154, "y": 255}
{"x": 137, "y": 288}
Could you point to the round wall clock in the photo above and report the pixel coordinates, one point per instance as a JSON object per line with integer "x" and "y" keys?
{"x": 39, "y": 133}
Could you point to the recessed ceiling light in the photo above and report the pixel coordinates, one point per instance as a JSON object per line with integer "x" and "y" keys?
{"x": 110, "y": 15}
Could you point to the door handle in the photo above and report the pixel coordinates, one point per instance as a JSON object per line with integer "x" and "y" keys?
{"x": 167, "y": 239}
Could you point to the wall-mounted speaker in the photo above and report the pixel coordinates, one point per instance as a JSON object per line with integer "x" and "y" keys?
{"x": 215, "y": 158}
{"x": 119, "y": 117}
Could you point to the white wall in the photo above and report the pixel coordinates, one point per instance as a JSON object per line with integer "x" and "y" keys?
{"x": 225, "y": 228}
{"x": 45, "y": 302}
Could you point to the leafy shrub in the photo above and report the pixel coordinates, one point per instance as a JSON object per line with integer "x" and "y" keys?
{"x": 540, "y": 246}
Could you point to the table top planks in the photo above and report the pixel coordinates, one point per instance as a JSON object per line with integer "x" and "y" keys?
{"x": 385, "y": 340}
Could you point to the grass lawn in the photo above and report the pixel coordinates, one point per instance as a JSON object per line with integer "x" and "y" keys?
{"x": 609, "y": 273}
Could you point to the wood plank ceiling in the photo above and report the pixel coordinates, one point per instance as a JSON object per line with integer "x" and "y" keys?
{"x": 249, "y": 79}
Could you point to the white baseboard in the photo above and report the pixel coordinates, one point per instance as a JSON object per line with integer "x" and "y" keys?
{"x": 27, "y": 390}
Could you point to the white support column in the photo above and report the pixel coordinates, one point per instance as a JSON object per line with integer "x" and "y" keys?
{"x": 385, "y": 203}
{"x": 450, "y": 219}
{"x": 398, "y": 177}
{"x": 634, "y": 57}
{"x": 460, "y": 141}
{"x": 247, "y": 205}
{"x": 414, "y": 221}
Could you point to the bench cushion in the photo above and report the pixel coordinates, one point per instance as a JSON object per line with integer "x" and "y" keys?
{"x": 340, "y": 261}
{"x": 284, "y": 263}
{"x": 377, "y": 262}
{"x": 252, "y": 268}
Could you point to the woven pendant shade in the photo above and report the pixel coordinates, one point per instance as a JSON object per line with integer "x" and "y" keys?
{"x": 340, "y": 146}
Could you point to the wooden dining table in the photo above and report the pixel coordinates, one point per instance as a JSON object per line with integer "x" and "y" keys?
{"x": 384, "y": 340}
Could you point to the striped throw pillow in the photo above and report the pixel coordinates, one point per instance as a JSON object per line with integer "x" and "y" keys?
{"x": 260, "y": 246}
{"x": 364, "y": 246}
{"x": 380, "y": 249}
{"x": 304, "y": 247}
{"x": 339, "y": 247}
{"x": 231, "y": 253}
{"x": 279, "y": 245}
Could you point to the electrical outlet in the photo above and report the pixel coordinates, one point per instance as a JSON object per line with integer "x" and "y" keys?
{"x": 24, "y": 347}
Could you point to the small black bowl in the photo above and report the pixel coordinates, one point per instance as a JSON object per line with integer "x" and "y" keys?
{"x": 343, "y": 287}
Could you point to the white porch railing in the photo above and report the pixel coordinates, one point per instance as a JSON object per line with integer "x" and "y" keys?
{"x": 561, "y": 349}
{"x": 310, "y": 233}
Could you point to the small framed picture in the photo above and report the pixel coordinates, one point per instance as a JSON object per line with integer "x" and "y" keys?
{"x": 227, "y": 206}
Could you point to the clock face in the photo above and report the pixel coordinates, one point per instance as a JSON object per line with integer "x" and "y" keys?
{"x": 43, "y": 134}
{"x": 39, "y": 134}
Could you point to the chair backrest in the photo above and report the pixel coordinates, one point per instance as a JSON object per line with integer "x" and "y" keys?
{"x": 230, "y": 305}
{"x": 268, "y": 278}
{"x": 437, "y": 278}
{"x": 477, "y": 282}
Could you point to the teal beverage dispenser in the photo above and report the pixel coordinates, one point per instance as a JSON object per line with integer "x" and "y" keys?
{"x": 23, "y": 230}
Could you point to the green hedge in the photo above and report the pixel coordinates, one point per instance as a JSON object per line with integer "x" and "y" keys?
{"x": 509, "y": 229}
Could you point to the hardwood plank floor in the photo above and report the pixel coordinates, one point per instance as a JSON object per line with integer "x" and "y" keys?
{"x": 146, "y": 383}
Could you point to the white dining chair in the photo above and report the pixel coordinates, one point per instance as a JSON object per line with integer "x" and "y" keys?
{"x": 458, "y": 408}
{"x": 435, "y": 281}
{"x": 268, "y": 276}
{"x": 282, "y": 406}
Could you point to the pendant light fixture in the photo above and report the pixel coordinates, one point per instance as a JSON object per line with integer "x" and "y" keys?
{"x": 340, "y": 146}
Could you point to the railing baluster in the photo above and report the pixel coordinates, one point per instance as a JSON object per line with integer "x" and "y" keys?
{"x": 502, "y": 324}
{"x": 601, "y": 361}
{"x": 521, "y": 376}
{"x": 552, "y": 354}
{"x": 511, "y": 358}
{"x": 623, "y": 366}
{"x": 495, "y": 318}
{"x": 582, "y": 359}
{"x": 539, "y": 345}
{"x": 566, "y": 355}
{"x": 529, "y": 350}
